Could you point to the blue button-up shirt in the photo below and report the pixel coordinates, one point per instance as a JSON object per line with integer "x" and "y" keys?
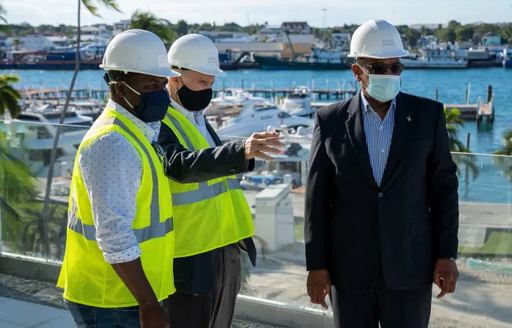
{"x": 378, "y": 136}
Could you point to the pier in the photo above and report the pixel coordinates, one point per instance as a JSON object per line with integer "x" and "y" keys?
{"x": 102, "y": 94}
{"x": 318, "y": 94}
{"x": 481, "y": 112}
{"x": 59, "y": 94}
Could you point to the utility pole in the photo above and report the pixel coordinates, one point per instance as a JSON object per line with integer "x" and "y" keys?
{"x": 324, "y": 10}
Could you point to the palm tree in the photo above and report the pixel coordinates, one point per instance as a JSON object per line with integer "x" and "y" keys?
{"x": 17, "y": 183}
{"x": 93, "y": 9}
{"x": 507, "y": 147}
{"x": 453, "y": 123}
{"x": 17, "y": 188}
{"x": 506, "y": 150}
{"x": 161, "y": 27}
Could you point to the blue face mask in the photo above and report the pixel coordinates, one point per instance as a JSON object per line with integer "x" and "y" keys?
{"x": 153, "y": 104}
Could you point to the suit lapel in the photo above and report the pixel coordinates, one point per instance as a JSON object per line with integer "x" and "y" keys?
{"x": 401, "y": 131}
{"x": 355, "y": 130}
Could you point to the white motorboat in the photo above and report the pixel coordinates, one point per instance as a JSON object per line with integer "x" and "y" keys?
{"x": 32, "y": 133}
{"x": 260, "y": 115}
{"x": 298, "y": 102}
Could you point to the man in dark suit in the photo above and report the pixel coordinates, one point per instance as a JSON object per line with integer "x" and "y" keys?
{"x": 381, "y": 197}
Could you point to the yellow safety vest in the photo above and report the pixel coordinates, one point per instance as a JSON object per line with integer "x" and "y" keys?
{"x": 210, "y": 214}
{"x": 85, "y": 275}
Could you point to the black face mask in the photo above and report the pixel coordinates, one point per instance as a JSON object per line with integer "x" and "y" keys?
{"x": 195, "y": 100}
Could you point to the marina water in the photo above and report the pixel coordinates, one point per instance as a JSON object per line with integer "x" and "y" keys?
{"x": 451, "y": 85}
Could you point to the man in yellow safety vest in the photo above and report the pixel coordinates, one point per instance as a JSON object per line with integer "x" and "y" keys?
{"x": 120, "y": 236}
{"x": 213, "y": 220}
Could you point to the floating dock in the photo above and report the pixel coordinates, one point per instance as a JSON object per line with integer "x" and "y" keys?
{"x": 481, "y": 112}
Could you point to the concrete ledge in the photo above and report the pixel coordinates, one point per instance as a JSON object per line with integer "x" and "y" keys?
{"x": 29, "y": 267}
{"x": 274, "y": 313}
{"x": 281, "y": 314}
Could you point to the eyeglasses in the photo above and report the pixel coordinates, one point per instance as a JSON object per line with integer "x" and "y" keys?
{"x": 395, "y": 68}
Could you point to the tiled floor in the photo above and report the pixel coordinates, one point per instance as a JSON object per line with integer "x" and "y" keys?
{"x": 17, "y": 314}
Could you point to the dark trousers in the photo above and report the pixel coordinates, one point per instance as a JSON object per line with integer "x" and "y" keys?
{"x": 215, "y": 308}
{"x": 92, "y": 317}
{"x": 390, "y": 308}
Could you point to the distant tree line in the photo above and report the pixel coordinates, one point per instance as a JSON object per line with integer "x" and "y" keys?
{"x": 452, "y": 32}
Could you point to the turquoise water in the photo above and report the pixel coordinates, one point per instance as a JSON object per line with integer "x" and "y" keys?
{"x": 450, "y": 83}
{"x": 491, "y": 185}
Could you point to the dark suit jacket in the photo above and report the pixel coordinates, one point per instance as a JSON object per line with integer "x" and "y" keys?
{"x": 359, "y": 230}
{"x": 196, "y": 274}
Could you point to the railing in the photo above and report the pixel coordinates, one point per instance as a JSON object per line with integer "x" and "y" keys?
{"x": 484, "y": 292}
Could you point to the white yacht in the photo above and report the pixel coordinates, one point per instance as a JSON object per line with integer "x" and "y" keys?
{"x": 229, "y": 103}
{"x": 32, "y": 133}
{"x": 260, "y": 115}
{"x": 298, "y": 102}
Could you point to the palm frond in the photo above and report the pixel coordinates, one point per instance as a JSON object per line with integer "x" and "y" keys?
{"x": 9, "y": 96}
{"x": 3, "y": 12}
{"x": 93, "y": 8}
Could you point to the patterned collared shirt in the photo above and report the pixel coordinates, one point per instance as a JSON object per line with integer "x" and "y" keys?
{"x": 112, "y": 171}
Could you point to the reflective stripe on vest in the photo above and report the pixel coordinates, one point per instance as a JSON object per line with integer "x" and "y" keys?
{"x": 156, "y": 228}
{"x": 177, "y": 124}
{"x": 204, "y": 191}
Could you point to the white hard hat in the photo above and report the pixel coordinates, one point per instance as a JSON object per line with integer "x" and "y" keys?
{"x": 197, "y": 53}
{"x": 377, "y": 39}
{"x": 137, "y": 51}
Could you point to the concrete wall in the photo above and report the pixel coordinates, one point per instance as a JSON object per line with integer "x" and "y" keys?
{"x": 252, "y": 308}
{"x": 30, "y": 268}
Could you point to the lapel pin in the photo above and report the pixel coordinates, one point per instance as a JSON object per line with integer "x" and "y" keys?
{"x": 408, "y": 118}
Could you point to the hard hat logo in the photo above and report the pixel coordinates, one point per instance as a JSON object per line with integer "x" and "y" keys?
{"x": 162, "y": 61}
{"x": 388, "y": 43}
{"x": 377, "y": 39}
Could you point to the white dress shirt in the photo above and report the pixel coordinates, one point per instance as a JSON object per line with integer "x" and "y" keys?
{"x": 379, "y": 134}
{"x": 197, "y": 119}
{"x": 112, "y": 172}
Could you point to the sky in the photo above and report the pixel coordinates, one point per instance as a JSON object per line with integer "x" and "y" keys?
{"x": 318, "y": 13}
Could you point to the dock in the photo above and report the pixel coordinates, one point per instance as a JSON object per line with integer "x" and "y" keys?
{"x": 319, "y": 94}
{"x": 56, "y": 94}
{"x": 102, "y": 94}
{"x": 481, "y": 112}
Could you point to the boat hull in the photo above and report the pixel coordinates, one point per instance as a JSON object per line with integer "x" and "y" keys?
{"x": 273, "y": 63}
